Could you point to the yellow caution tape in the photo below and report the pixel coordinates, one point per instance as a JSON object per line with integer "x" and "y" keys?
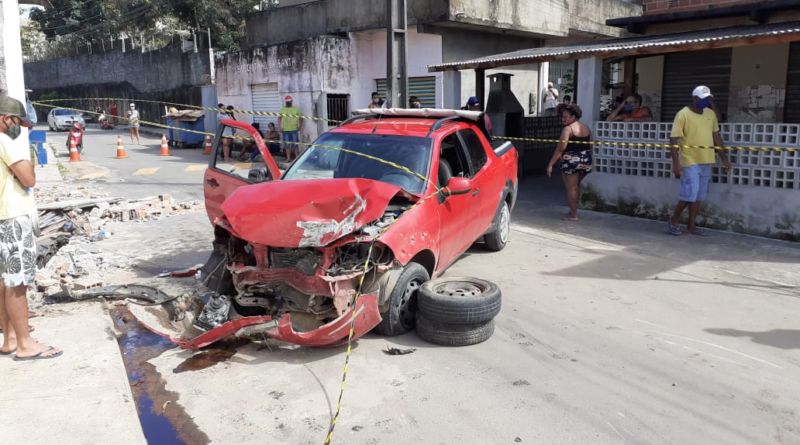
{"x": 195, "y": 107}
{"x": 640, "y": 145}
{"x": 606, "y": 143}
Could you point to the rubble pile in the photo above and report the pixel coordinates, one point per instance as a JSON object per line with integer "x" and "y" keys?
{"x": 72, "y": 222}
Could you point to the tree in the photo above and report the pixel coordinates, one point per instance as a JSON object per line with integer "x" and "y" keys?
{"x": 91, "y": 20}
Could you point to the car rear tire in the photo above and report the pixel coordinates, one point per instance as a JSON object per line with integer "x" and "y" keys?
{"x": 445, "y": 334}
{"x": 399, "y": 318}
{"x": 497, "y": 239}
{"x": 459, "y": 300}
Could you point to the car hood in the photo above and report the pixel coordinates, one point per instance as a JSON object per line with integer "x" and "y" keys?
{"x": 305, "y": 213}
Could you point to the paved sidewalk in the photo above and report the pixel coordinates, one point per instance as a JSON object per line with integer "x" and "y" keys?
{"x": 82, "y": 397}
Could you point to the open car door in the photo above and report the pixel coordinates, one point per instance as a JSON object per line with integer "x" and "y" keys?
{"x": 248, "y": 162}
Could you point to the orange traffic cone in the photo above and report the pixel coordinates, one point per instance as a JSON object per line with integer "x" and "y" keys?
{"x": 164, "y": 146}
{"x": 74, "y": 156}
{"x": 121, "y": 154}
{"x": 207, "y": 147}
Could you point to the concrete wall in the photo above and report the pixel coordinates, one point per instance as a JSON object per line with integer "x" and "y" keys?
{"x": 167, "y": 74}
{"x": 163, "y": 69}
{"x": 518, "y": 17}
{"x": 303, "y": 69}
{"x": 481, "y": 44}
{"x": 758, "y": 83}
{"x": 746, "y": 209}
{"x": 650, "y": 72}
{"x": 370, "y": 62}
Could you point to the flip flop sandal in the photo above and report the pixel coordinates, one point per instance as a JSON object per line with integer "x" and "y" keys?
{"x": 9, "y": 352}
{"x": 39, "y": 356}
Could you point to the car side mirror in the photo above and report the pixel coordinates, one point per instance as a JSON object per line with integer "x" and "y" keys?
{"x": 457, "y": 185}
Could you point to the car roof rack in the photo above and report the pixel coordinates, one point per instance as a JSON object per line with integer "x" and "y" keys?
{"x": 357, "y": 117}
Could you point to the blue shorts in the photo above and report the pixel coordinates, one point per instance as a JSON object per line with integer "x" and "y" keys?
{"x": 694, "y": 182}
{"x": 290, "y": 139}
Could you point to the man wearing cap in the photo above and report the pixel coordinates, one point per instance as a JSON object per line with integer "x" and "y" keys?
{"x": 695, "y": 128}
{"x": 17, "y": 244}
{"x": 473, "y": 104}
{"x": 291, "y": 125}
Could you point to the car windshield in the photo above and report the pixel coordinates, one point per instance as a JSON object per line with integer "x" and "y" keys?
{"x": 361, "y": 158}
{"x": 63, "y": 112}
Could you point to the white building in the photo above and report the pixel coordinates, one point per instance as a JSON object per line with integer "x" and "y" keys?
{"x": 330, "y": 55}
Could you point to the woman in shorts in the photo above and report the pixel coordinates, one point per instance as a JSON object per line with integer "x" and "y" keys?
{"x": 574, "y": 152}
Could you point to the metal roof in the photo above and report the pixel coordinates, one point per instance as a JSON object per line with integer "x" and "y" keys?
{"x": 697, "y": 40}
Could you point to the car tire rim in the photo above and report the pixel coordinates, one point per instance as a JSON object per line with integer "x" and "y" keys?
{"x": 458, "y": 289}
{"x": 505, "y": 222}
{"x": 406, "y": 314}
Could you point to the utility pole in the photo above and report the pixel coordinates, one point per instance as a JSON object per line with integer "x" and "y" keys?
{"x": 396, "y": 66}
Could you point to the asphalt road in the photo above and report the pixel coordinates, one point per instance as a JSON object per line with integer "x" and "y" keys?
{"x": 144, "y": 173}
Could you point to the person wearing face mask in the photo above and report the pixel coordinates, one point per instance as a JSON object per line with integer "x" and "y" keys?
{"x": 631, "y": 110}
{"x": 376, "y": 102}
{"x": 694, "y": 132}
{"x": 291, "y": 125}
{"x": 414, "y": 102}
{"x": 17, "y": 242}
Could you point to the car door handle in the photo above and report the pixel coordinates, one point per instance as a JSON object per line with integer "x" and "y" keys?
{"x": 212, "y": 182}
{"x": 476, "y": 192}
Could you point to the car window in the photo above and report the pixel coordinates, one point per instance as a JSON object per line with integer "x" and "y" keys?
{"x": 475, "y": 150}
{"x": 453, "y": 153}
{"x": 370, "y": 156}
{"x": 244, "y": 160}
{"x": 63, "y": 112}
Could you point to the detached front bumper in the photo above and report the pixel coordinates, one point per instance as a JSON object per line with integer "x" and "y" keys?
{"x": 158, "y": 320}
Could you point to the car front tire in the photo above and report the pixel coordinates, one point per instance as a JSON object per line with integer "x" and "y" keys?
{"x": 400, "y": 316}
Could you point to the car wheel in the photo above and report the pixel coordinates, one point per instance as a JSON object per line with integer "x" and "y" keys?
{"x": 459, "y": 300}
{"x": 453, "y": 334}
{"x": 498, "y": 238}
{"x": 399, "y": 317}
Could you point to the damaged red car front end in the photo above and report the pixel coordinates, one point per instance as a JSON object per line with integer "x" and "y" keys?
{"x": 291, "y": 269}
{"x": 347, "y": 235}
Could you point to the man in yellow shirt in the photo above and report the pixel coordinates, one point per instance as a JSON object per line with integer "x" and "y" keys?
{"x": 695, "y": 130}
{"x": 17, "y": 244}
{"x": 290, "y": 124}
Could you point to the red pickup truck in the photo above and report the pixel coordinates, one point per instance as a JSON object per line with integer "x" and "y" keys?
{"x": 381, "y": 203}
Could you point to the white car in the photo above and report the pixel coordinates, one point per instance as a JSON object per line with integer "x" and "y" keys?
{"x": 62, "y": 119}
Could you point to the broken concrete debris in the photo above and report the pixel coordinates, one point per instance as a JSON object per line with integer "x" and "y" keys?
{"x": 72, "y": 222}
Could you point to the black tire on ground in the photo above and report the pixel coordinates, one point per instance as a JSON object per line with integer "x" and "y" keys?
{"x": 399, "y": 318}
{"x": 453, "y": 334}
{"x": 459, "y": 300}
{"x": 497, "y": 239}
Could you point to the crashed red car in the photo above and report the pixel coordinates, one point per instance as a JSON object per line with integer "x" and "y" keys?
{"x": 413, "y": 190}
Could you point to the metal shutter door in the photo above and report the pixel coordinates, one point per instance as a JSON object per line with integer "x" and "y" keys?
{"x": 266, "y": 98}
{"x": 422, "y": 87}
{"x": 792, "y": 103}
{"x": 684, "y": 71}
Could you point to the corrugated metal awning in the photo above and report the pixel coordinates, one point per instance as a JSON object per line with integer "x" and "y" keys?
{"x": 686, "y": 41}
